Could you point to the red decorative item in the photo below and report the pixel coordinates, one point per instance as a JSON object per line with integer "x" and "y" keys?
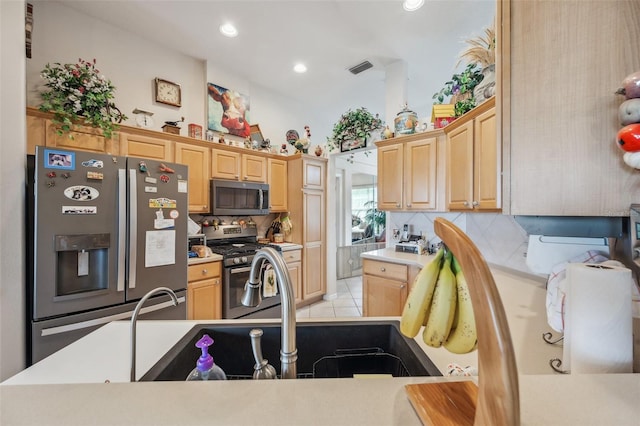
{"x": 629, "y": 137}
{"x": 195, "y": 131}
{"x": 442, "y": 121}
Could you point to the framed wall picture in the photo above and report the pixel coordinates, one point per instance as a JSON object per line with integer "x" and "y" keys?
{"x": 228, "y": 111}
{"x": 168, "y": 92}
{"x": 256, "y": 134}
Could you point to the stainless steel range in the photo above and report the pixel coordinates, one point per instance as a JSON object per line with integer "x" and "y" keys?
{"x": 237, "y": 245}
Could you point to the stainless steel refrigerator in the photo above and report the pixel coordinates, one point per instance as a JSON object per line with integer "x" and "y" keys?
{"x": 102, "y": 232}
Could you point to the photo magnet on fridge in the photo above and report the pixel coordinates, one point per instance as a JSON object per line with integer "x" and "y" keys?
{"x": 64, "y": 160}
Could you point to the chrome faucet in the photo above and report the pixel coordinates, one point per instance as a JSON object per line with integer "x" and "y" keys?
{"x": 134, "y": 321}
{"x": 252, "y": 297}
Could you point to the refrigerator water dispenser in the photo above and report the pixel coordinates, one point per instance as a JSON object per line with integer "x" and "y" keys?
{"x": 82, "y": 263}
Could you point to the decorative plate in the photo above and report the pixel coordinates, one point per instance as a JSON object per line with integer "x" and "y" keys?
{"x": 292, "y": 136}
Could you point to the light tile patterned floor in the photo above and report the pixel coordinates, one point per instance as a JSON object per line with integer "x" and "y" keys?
{"x": 347, "y": 304}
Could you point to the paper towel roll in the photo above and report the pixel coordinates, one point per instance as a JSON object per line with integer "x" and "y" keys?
{"x": 598, "y": 320}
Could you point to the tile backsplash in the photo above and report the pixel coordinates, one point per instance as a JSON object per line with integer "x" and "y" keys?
{"x": 500, "y": 239}
{"x": 262, "y": 222}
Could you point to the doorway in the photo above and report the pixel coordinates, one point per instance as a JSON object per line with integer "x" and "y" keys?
{"x": 359, "y": 223}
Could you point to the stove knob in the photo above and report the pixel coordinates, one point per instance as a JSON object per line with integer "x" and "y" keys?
{"x": 236, "y": 260}
{"x": 244, "y": 259}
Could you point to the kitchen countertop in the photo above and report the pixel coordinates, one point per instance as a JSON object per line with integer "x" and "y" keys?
{"x": 288, "y": 246}
{"x": 78, "y": 373}
{"x": 197, "y": 260}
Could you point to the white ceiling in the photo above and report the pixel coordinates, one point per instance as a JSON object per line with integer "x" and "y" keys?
{"x": 329, "y": 36}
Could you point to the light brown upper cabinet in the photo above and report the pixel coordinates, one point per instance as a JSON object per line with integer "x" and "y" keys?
{"x": 408, "y": 172}
{"x": 560, "y": 114}
{"x": 42, "y": 131}
{"x": 198, "y": 159}
{"x": 474, "y": 160}
{"x": 136, "y": 145}
{"x": 234, "y": 165}
{"x": 277, "y": 172}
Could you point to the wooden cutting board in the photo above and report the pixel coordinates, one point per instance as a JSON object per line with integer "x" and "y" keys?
{"x": 444, "y": 404}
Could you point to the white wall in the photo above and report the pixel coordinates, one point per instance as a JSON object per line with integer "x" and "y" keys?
{"x": 12, "y": 188}
{"x": 62, "y": 34}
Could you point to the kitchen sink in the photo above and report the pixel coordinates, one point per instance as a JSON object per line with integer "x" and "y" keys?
{"x": 325, "y": 350}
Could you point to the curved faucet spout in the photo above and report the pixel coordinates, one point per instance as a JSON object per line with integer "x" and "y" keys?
{"x": 134, "y": 321}
{"x": 251, "y": 297}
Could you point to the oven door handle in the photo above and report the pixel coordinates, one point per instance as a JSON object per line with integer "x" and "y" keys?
{"x": 239, "y": 270}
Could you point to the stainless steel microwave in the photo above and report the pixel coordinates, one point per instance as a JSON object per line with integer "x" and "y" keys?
{"x": 233, "y": 198}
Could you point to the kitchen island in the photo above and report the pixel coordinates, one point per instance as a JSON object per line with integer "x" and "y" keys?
{"x": 87, "y": 383}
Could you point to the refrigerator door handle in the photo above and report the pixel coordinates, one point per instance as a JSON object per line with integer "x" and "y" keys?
{"x": 105, "y": 320}
{"x": 122, "y": 227}
{"x": 133, "y": 226}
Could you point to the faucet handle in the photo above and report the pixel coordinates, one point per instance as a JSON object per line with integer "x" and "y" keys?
{"x": 262, "y": 369}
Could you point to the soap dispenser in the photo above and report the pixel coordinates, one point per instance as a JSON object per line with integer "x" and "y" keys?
{"x": 206, "y": 369}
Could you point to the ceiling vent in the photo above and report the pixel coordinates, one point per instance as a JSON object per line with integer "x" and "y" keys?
{"x": 361, "y": 67}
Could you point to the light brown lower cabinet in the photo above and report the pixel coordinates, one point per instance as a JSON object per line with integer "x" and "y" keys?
{"x": 385, "y": 287}
{"x": 293, "y": 259}
{"x": 204, "y": 291}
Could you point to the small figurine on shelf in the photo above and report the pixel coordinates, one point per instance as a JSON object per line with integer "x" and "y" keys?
{"x": 283, "y": 149}
{"x": 247, "y": 142}
{"x": 221, "y": 139}
{"x": 302, "y": 144}
{"x": 318, "y": 151}
{"x": 387, "y": 133}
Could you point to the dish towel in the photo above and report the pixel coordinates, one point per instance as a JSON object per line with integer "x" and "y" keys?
{"x": 269, "y": 286}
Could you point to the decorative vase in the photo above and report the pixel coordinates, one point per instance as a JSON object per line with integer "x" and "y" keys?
{"x": 487, "y": 87}
{"x": 405, "y": 122}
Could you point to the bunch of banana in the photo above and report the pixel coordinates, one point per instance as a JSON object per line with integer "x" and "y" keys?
{"x": 419, "y": 299}
{"x": 439, "y": 300}
{"x": 462, "y": 338}
{"x": 443, "y": 306}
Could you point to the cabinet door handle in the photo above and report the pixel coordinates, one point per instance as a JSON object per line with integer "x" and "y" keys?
{"x": 397, "y": 204}
{"x": 383, "y": 269}
{"x": 466, "y": 204}
{"x": 216, "y": 282}
{"x": 402, "y": 285}
{"x": 204, "y": 272}
{"x": 475, "y": 203}
{"x": 408, "y": 204}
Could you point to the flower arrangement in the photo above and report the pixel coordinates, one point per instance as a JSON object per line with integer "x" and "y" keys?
{"x": 460, "y": 88}
{"x": 481, "y": 50}
{"x": 353, "y": 125}
{"x": 79, "y": 92}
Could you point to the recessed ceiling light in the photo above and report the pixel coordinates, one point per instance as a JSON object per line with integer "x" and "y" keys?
{"x": 412, "y": 5}
{"x": 300, "y": 68}
{"x": 228, "y": 30}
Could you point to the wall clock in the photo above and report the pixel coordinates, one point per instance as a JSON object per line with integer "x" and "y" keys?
{"x": 168, "y": 92}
